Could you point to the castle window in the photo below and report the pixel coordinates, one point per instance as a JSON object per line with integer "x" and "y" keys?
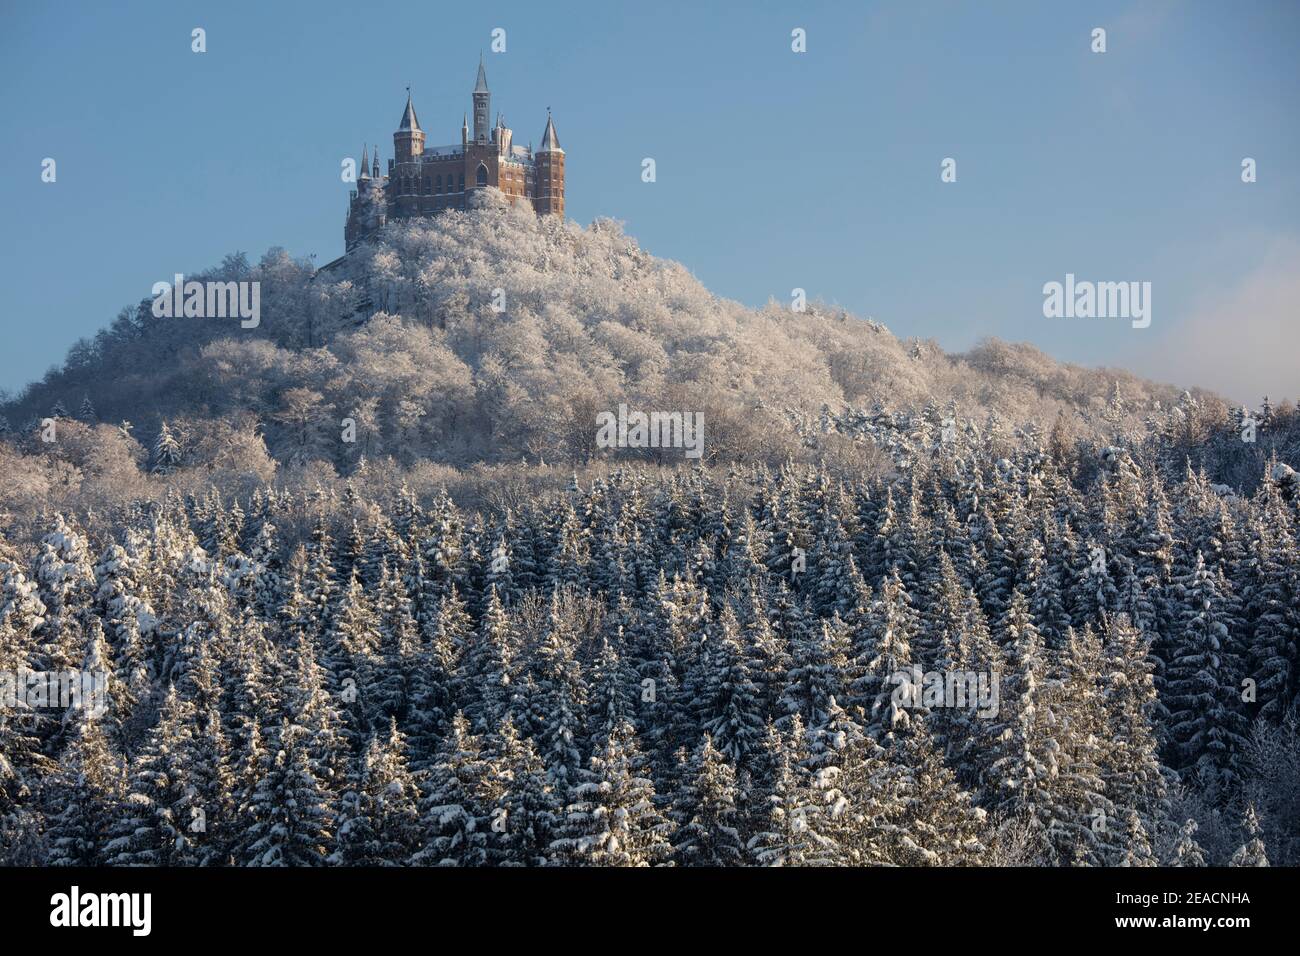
{"x": 482, "y": 175}
{"x": 440, "y": 185}
{"x": 428, "y": 188}
{"x": 462, "y": 183}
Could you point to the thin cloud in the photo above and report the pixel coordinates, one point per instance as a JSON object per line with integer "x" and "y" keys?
{"x": 1243, "y": 342}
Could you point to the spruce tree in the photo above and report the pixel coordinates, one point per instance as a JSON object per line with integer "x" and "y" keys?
{"x": 1206, "y": 725}
{"x": 704, "y": 812}
{"x": 524, "y": 810}
{"x": 611, "y": 818}
{"x": 289, "y": 819}
{"x": 1252, "y": 852}
{"x": 1187, "y": 852}
{"x": 453, "y": 820}
{"x": 81, "y": 798}
{"x": 378, "y": 818}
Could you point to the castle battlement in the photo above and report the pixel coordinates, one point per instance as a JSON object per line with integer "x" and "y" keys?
{"x": 423, "y": 181}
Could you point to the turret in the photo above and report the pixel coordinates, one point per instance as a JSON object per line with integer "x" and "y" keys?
{"x": 502, "y": 136}
{"x": 550, "y": 141}
{"x": 549, "y": 160}
{"x": 408, "y": 141}
{"x": 482, "y": 105}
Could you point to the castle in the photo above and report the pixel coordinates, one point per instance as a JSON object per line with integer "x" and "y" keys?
{"x": 423, "y": 181}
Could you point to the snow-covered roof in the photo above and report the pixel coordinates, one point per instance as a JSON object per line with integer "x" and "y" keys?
{"x": 408, "y": 117}
{"x": 550, "y": 141}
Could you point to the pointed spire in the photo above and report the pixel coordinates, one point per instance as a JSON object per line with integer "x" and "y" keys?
{"x": 480, "y": 85}
{"x": 365, "y": 163}
{"x": 550, "y": 141}
{"x": 408, "y": 115}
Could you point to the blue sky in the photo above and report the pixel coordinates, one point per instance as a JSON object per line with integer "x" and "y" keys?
{"x": 775, "y": 169}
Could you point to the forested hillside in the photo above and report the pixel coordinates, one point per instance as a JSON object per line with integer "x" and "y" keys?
{"x": 697, "y": 669}
{"x": 404, "y": 338}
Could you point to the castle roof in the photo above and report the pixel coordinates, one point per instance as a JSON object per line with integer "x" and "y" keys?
{"x": 550, "y": 142}
{"x": 408, "y": 117}
{"x": 480, "y": 86}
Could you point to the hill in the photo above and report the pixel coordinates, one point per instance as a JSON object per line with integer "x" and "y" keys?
{"x": 494, "y": 337}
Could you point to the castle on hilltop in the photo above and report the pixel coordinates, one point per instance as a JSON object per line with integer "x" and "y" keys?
{"x": 424, "y": 180}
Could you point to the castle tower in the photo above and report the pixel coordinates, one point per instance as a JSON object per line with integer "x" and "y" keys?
{"x": 482, "y": 105}
{"x": 408, "y": 147}
{"x": 408, "y": 141}
{"x": 549, "y": 198}
{"x": 365, "y": 164}
{"x": 503, "y": 136}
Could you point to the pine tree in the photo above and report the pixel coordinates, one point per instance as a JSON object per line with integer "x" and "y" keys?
{"x": 1083, "y": 828}
{"x": 66, "y": 581}
{"x": 167, "y": 453}
{"x": 817, "y": 673}
{"x": 378, "y": 816}
{"x": 905, "y": 807}
{"x": 1021, "y": 755}
{"x": 156, "y": 828}
{"x": 320, "y": 579}
{"x": 1137, "y": 849}
{"x": 524, "y": 810}
{"x": 884, "y": 651}
{"x": 317, "y": 713}
{"x": 352, "y": 660}
{"x": 730, "y": 708}
{"x": 1274, "y": 609}
{"x": 1187, "y": 852}
{"x": 1252, "y": 852}
{"x": 787, "y": 831}
{"x": 484, "y": 681}
{"x": 561, "y": 694}
{"x": 615, "y": 688}
{"x": 1131, "y": 767}
{"x": 611, "y": 818}
{"x": 452, "y": 816}
{"x": 1206, "y": 725}
{"x": 399, "y": 648}
{"x": 289, "y": 819}
{"x": 21, "y": 762}
{"x": 1093, "y": 593}
{"x": 267, "y": 586}
{"x": 81, "y": 798}
{"x": 704, "y": 811}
